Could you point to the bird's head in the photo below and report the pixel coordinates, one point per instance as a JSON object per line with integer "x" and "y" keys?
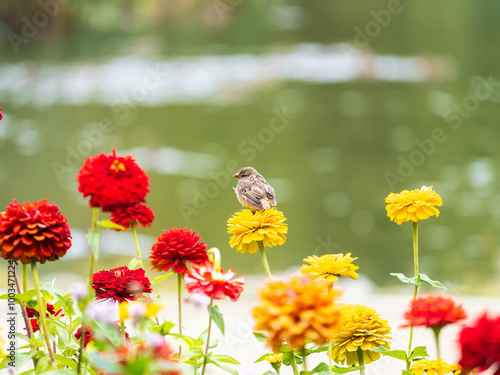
{"x": 245, "y": 172}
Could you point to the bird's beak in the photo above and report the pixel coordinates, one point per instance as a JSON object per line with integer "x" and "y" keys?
{"x": 236, "y": 175}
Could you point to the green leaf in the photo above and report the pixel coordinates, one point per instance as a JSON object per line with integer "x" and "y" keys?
{"x": 221, "y": 365}
{"x": 319, "y": 349}
{"x": 24, "y": 297}
{"x": 21, "y": 359}
{"x": 60, "y": 372}
{"x": 226, "y": 359}
{"x": 109, "y": 224}
{"x": 406, "y": 372}
{"x": 262, "y": 357}
{"x": 418, "y": 352}
{"x": 433, "y": 283}
{"x": 70, "y": 362}
{"x": 408, "y": 280}
{"x": 163, "y": 277}
{"x": 398, "y": 354}
{"x": 345, "y": 370}
{"x": 187, "y": 342}
{"x": 93, "y": 239}
{"x": 261, "y": 337}
{"x": 323, "y": 369}
{"x": 164, "y": 328}
{"x": 216, "y": 316}
{"x": 43, "y": 365}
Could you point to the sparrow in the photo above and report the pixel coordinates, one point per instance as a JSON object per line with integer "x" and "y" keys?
{"x": 253, "y": 191}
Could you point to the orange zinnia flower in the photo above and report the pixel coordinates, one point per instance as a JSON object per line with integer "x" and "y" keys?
{"x": 33, "y": 231}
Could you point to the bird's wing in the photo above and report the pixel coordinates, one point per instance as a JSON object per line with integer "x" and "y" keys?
{"x": 270, "y": 193}
{"x": 253, "y": 195}
{"x": 263, "y": 184}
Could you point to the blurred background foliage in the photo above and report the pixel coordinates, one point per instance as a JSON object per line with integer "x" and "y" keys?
{"x": 361, "y": 84}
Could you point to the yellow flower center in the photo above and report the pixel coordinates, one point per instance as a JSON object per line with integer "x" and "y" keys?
{"x": 117, "y": 166}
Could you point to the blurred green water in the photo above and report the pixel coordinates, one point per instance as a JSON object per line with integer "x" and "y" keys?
{"x": 329, "y": 163}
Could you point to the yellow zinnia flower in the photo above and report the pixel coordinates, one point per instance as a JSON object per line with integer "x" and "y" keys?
{"x": 138, "y": 309}
{"x": 330, "y": 267}
{"x": 362, "y": 328}
{"x": 413, "y": 205}
{"x": 433, "y": 367}
{"x": 274, "y": 358}
{"x": 250, "y": 226}
{"x": 298, "y": 310}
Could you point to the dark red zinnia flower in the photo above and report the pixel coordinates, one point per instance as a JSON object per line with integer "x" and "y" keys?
{"x": 121, "y": 284}
{"x": 50, "y": 310}
{"x": 90, "y": 334}
{"x": 33, "y": 231}
{"x": 113, "y": 182}
{"x": 174, "y": 248}
{"x": 35, "y": 327}
{"x": 434, "y": 311}
{"x": 34, "y": 314}
{"x": 480, "y": 344}
{"x": 217, "y": 285}
{"x": 139, "y": 214}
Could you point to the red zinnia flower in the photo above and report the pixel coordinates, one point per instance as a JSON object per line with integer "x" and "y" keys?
{"x": 33, "y": 231}
{"x": 137, "y": 214}
{"x": 177, "y": 247}
{"x": 217, "y": 285}
{"x": 50, "y": 310}
{"x": 34, "y": 314}
{"x": 113, "y": 182}
{"x": 1, "y": 116}
{"x": 434, "y": 311}
{"x": 480, "y": 344}
{"x": 90, "y": 334}
{"x": 121, "y": 284}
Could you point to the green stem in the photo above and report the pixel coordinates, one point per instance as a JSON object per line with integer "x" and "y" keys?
{"x": 415, "y": 292}
{"x": 95, "y": 213}
{"x": 41, "y": 305}
{"x": 437, "y": 331}
{"x": 179, "y": 302}
{"x": 294, "y": 364}
{"x": 134, "y": 232}
{"x": 304, "y": 363}
{"x": 80, "y": 354}
{"x": 264, "y": 259}
{"x": 208, "y": 338}
{"x": 330, "y": 357}
{"x": 122, "y": 326}
{"x": 23, "y": 304}
{"x": 415, "y": 246}
{"x": 27, "y": 322}
{"x": 25, "y": 277}
{"x": 361, "y": 362}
